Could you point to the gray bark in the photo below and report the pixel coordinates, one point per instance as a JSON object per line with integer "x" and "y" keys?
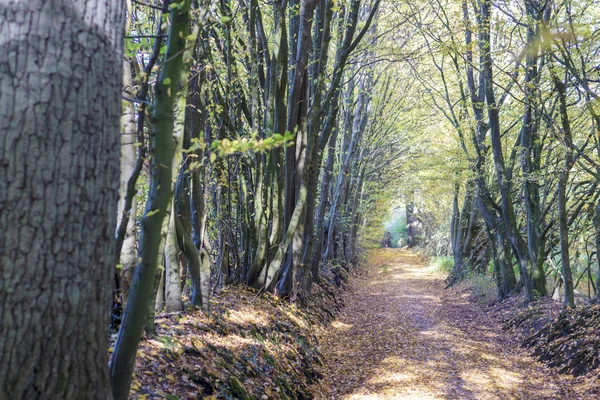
{"x": 502, "y": 174}
{"x": 596, "y": 223}
{"x": 60, "y": 104}
{"x": 128, "y": 162}
{"x": 569, "y": 298}
{"x": 173, "y": 285}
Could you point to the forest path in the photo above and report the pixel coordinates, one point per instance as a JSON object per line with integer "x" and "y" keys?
{"x": 402, "y": 336}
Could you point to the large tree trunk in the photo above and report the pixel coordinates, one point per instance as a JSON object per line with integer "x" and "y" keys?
{"x": 300, "y": 29}
{"x": 59, "y": 171}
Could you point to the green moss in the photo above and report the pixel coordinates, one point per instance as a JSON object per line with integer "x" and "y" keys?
{"x": 237, "y": 389}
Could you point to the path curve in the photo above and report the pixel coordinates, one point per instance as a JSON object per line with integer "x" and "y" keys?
{"x": 402, "y": 336}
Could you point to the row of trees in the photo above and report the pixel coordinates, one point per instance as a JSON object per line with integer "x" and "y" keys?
{"x": 255, "y": 140}
{"x": 269, "y": 138}
{"x": 517, "y": 81}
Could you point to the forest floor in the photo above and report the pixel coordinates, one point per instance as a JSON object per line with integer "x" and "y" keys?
{"x": 402, "y": 335}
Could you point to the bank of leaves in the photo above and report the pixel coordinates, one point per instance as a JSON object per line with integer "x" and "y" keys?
{"x": 571, "y": 342}
{"x": 568, "y": 340}
{"x": 252, "y": 346}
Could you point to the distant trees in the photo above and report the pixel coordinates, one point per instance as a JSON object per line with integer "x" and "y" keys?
{"x": 59, "y": 172}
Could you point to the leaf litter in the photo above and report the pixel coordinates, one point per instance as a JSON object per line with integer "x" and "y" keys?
{"x": 403, "y": 336}
{"x": 251, "y": 346}
{"x": 400, "y": 336}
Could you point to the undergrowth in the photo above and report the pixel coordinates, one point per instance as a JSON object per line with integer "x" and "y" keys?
{"x": 483, "y": 288}
{"x": 441, "y": 264}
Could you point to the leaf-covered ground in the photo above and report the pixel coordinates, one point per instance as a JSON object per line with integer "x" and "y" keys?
{"x": 251, "y": 347}
{"x": 400, "y": 336}
{"x": 403, "y": 336}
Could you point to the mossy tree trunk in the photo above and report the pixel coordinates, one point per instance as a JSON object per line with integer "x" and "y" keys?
{"x": 159, "y": 197}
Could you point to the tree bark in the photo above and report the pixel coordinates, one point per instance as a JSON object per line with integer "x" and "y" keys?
{"x": 569, "y": 299}
{"x": 596, "y": 223}
{"x": 59, "y": 171}
{"x": 159, "y": 198}
{"x": 505, "y": 185}
{"x": 128, "y": 164}
{"x": 173, "y": 284}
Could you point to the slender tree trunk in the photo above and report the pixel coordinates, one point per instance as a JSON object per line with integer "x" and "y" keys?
{"x": 201, "y": 281}
{"x": 159, "y": 198}
{"x": 596, "y": 222}
{"x": 270, "y": 271}
{"x": 128, "y": 162}
{"x": 323, "y": 206}
{"x": 183, "y": 225}
{"x": 59, "y": 171}
{"x": 504, "y": 184}
{"x": 563, "y": 224}
{"x": 149, "y": 324}
{"x": 462, "y": 227}
{"x": 173, "y": 284}
{"x": 155, "y": 304}
{"x": 160, "y": 295}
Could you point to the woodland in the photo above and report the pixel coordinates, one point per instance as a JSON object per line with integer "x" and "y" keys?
{"x": 178, "y": 173}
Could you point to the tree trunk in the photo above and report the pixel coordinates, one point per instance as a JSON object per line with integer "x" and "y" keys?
{"x": 128, "y": 162}
{"x": 596, "y": 223}
{"x": 173, "y": 284}
{"x": 159, "y": 198}
{"x": 531, "y": 152}
{"x": 59, "y": 171}
{"x": 504, "y": 183}
{"x": 323, "y": 205}
{"x": 159, "y": 303}
{"x": 461, "y": 230}
{"x": 183, "y": 228}
{"x": 563, "y": 224}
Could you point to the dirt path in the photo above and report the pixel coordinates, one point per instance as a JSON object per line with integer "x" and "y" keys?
{"x": 402, "y": 336}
